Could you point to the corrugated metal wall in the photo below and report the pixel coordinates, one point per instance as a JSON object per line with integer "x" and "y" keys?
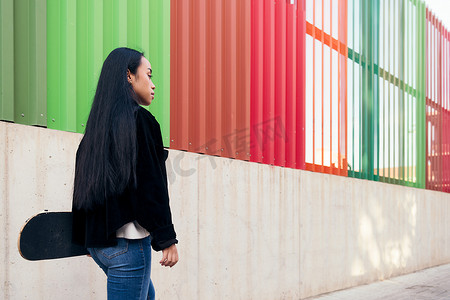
{"x": 210, "y": 82}
{"x": 237, "y": 79}
{"x": 326, "y": 89}
{"x": 278, "y": 83}
{"x": 437, "y": 105}
{"x": 6, "y": 60}
{"x": 446, "y": 111}
{"x": 386, "y": 130}
{"x": 82, "y": 33}
{"x": 232, "y": 79}
{"x": 23, "y": 97}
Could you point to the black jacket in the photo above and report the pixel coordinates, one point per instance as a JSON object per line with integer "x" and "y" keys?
{"x": 148, "y": 204}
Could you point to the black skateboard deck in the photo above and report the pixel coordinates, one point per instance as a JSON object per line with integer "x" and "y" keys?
{"x": 48, "y": 235}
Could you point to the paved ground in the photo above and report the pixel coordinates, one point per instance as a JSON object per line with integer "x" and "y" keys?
{"x": 429, "y": 284}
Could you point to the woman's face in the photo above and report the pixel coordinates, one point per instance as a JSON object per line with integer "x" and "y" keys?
{"x": 142, "y": 83}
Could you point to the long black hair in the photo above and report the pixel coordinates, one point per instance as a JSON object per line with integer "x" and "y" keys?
{"x": 106, "y": 157}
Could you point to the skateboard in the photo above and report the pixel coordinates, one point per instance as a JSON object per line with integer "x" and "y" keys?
{"x": 48, "y": 235}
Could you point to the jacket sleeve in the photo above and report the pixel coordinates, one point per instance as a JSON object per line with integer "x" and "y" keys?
{"x": 151, "y": 206}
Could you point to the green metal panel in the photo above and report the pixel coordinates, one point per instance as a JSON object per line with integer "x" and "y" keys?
{"x": 23, "y": 61}
{"x": 374, "y": 74}
{"x": 82, "y": 33}
{"x": 369, "y": 94}
{"x": 408, "y": 83}
{"x": 30, "y": 92}
{"x": 61, "y": 65}
{"x": 352, "y": 55}
{"x": 401, "y": 90}
{"x": 421, "y": 87}
{"x": 159, "y": 57}
{"x": 390, "y": 106}
{"x": 366, "y": 93}
{"x": 6, "y": 60}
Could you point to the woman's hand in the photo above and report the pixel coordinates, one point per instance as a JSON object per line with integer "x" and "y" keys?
{"x": 170, "y": 256}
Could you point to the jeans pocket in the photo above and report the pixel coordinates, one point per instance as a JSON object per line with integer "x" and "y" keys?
{"x": 111, "y": 252}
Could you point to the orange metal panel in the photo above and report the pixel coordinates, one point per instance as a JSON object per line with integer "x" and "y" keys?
{"x": 214, "y": 88}
{"x": 342, "y": 94}
{"x": 210, "y": 67}
{"x": 327, "y": 39}
{"x": 334, "y": 161}
{"x": 179, "y": 74}
{"x": 197, "y": 76}
{"x": 322, "y": 38}
{"x": 229, "y": 68}
{"x": 243, "y": 79}
{"x": 331, "y": 91}
{"x": 301, "y": 84}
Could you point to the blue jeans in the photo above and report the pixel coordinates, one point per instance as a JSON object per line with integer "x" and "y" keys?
{"x": 127, "y": 267}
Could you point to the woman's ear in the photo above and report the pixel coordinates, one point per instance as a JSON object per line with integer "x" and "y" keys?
{"x": 129, "y": 76}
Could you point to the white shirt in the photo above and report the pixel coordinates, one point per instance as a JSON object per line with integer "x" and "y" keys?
{"x": 132, "y": 231}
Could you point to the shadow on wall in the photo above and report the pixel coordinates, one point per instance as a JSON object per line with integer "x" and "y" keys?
{"x": 395, "y": 234}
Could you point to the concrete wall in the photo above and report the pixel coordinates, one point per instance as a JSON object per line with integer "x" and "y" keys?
{"x": 246, "y": 230}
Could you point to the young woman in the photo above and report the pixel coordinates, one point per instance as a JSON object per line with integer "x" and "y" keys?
{"x": 120, "y": 200}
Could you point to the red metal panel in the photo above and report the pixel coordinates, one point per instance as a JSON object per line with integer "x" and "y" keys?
{"x": 237, "y": 79}
{"x": 268, "y": 99}
{"x": 277, "y": 82}
{"x": 280, "y": 82}
{"x": 436, "y": 111}
{"x": 210, "y": 76}
{"x": 291, "y": 87}
{"x": 439, "y": 100}
{"x": 256, "y": 81}
{"x": 427, "y": 93}
{"x": 432, "y": 109}
{"x": 446, "y": 114}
